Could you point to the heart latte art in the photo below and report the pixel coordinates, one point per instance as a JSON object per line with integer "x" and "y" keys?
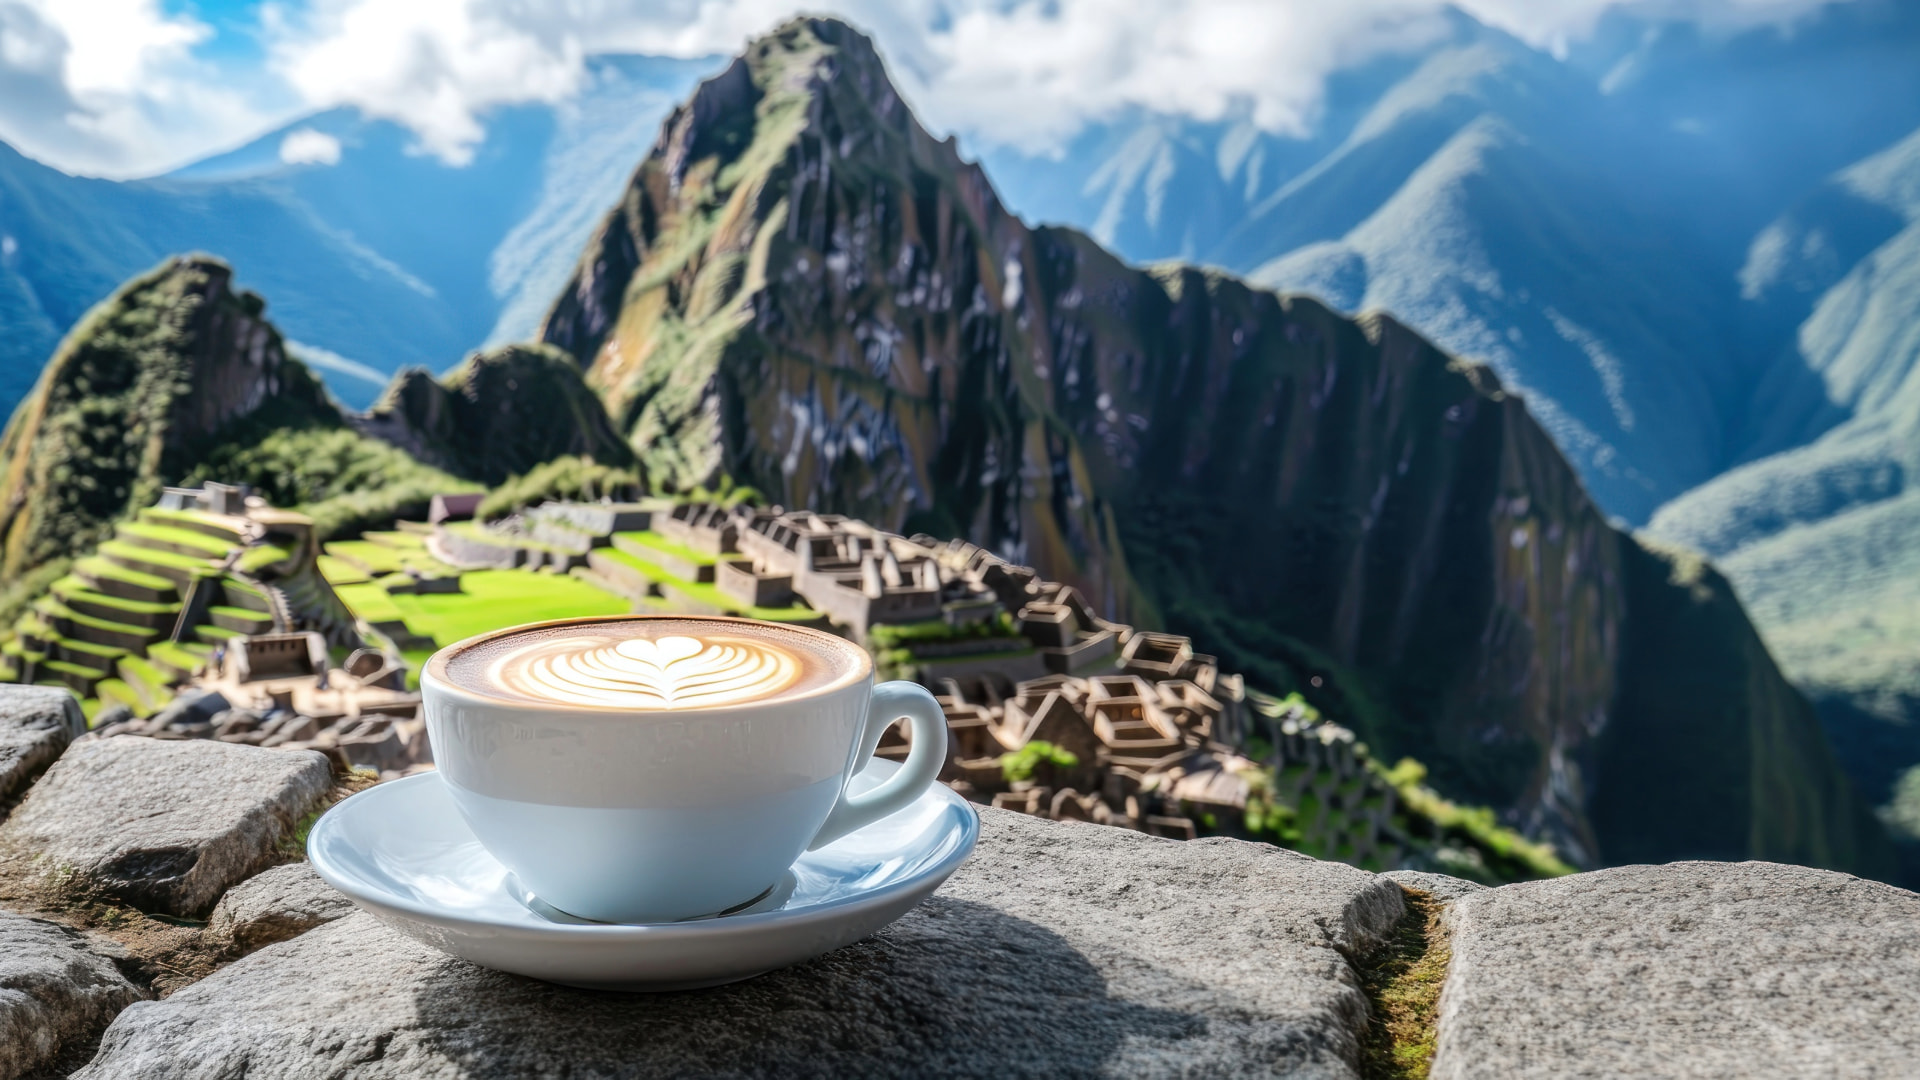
{"x": 647, "y": 673}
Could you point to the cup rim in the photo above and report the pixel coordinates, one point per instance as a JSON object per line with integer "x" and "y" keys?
{"x": 433, "y": 673}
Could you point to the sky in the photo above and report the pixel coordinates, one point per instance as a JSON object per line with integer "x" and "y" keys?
{"x": 124, "y": 88}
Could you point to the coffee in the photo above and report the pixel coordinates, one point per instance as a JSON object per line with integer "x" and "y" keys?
{"x": 646, "y": 768}
{"x": 652, "y": 663}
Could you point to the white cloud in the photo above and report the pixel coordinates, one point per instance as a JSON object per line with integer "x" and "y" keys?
{"x": 433, "y": 65}
{"x": 112, "y": 86}
{"x": 306, "y": 146}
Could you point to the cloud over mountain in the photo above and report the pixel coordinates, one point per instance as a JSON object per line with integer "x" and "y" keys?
{"x": 126, "y": 87}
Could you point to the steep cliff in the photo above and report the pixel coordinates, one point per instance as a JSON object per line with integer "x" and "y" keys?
{"x": 498, "y": 414}
{"x": 804, "y": 290}
{"x": 135, "y": 393}
{"x": 180, "y": 378}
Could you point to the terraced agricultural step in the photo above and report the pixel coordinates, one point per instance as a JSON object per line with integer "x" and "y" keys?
{"x": 80, "y": 598}
{"x": 216, "y": 526}
{"x": 147, "y": 679}
{"x": 259, "y": 557}
{"x": 77, "y": 677}
{"x": 87, "y": 628}
{"x": 214, "y": 634}
{"x": 35, "y": 632}
{"x": 178, "y": 569}
{"x": 172, "y": 539}
{"x": 112, "y": 579}
{"x": 111, "y": 690}
{"x": 99, "y": 657}
{"x": 175, "y": 659}
{"x": 239, "y": 594}
{"x": 241, "y": 620}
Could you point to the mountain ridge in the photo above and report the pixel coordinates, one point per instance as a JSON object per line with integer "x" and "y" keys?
{"x": 804, "y": 291}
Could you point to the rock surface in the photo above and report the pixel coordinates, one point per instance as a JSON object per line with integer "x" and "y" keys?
{"x": 163, "y": 826}
{"x": 56, "y": 988}
{"x": 276, "y": 904}
{"x": 36, "y": 724}
{"x": 1440, "y": 886}
{"x": 1690, "y": 969}
{"x": 1057, "y": 950}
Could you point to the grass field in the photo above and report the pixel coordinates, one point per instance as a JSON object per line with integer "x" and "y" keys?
{"x": 487, "y": 600}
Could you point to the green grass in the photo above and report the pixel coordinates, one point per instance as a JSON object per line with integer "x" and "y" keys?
{"x": 173, "y": 534}
{"x": 661, "y": 544}
{"x": 143, "y": 675}
{"x": 73, "y": 588}
{"x": 178, "y": 655}
{"x": 1402, "y": 979}
{"x": 74, "y": 617}
{"x": 243, "y": 614}
{"x": 182, "y": 517}
{"x": 70, "y": 668}
{"x": 153, "y": 556}
{"x": 261, "y": 556}
{"x": 496, "y": 599}
{"x": 339, "y": 572}
{"x": 100, "y": 569}
{"x": 106, "y": 653}
{"x": 704, "y": 593}
{"x": 372, "y": 557}
{"x": 369, "y": 601}
{"x": 118, "y": 691}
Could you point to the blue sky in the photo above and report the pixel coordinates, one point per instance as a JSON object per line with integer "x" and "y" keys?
{"x": 133, "y": 87}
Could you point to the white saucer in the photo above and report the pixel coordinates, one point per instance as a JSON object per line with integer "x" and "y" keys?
{"x": 402, "y": 852}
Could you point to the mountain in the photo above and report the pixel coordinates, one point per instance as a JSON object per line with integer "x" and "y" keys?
{"x": 1824, "y": 540}
{"x": 804, "y": 291}
{"x": 497, "y": 415}
{"x": 174, "y": 375}
{"x": 1692, "y": 252}
{"x": 379, "y": 257}
{"x": 1577, "y": 222}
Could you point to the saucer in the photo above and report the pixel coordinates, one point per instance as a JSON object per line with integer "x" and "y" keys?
{"x": 401, "y": 851}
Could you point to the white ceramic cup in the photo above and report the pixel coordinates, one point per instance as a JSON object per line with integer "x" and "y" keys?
{"x": 634, "y": 816}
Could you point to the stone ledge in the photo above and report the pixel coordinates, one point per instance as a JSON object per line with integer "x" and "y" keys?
{"x": 1058, "y": 950}
{"x": 160, "y": 826}
{"x": 1690, "y": 969}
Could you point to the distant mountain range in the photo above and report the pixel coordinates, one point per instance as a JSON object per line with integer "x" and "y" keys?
{"x": 1695, "y": 256}
{"x": 378, "y": 259}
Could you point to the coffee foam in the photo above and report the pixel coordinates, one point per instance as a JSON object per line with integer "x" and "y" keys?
{"x": 649, "y": 664}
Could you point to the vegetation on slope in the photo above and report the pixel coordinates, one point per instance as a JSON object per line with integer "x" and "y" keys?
{"x": 498, "y": 414}
{"x": 564, "y": 479}
{"x": 135, "y": 393}
{"x": 803, "y": 289}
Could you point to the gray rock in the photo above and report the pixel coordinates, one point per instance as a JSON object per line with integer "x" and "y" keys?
{"x": 162, "y": 826}
{"x": 1440, "y": 886}
{"x": 1692, "y": 969}
{"x": 36, "y": 724}
{"x": 57, "y": 988}
{"x": 276, "y": 904}
{"x": 1059, "y": 950}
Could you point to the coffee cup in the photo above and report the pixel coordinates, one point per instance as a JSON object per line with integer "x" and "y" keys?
{"x": 636, "y": 769}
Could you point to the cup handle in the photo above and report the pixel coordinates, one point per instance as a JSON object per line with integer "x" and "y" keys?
{"x": 891, "y": 701}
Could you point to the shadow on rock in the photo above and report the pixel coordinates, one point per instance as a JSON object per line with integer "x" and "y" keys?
{"x": 954, "y": 989}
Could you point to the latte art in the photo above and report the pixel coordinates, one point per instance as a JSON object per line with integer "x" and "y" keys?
{"x": 647, "y": 673}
